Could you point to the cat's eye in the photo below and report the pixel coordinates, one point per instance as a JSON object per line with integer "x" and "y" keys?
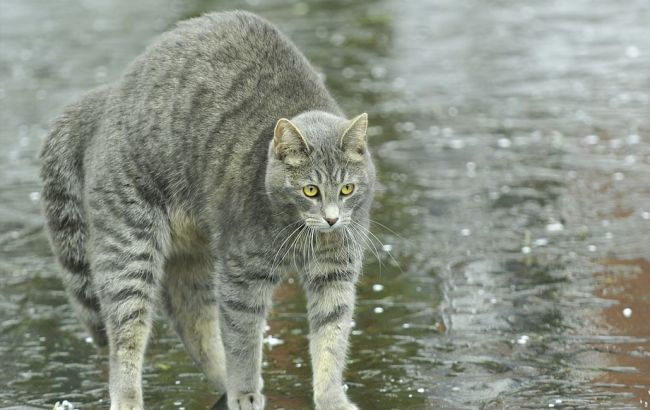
{"x": 347, "y": 189}
{"x": 310, "y": 190}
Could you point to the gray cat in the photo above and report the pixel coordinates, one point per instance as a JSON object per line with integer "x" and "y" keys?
{"x": 183, "y": 182}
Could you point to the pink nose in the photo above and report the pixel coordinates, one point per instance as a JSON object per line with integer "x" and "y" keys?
{"x": 331, "y": 221}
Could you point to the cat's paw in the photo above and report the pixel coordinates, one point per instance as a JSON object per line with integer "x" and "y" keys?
{"x": 340, "y": 403}
{"x": 246, "y": 401}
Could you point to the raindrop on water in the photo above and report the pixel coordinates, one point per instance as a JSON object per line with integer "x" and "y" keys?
{"x": 633, "y": 139}
{"x": 632, "y": 51}
{"x": 504, "y": 143}
{"x": 456, "y": 144}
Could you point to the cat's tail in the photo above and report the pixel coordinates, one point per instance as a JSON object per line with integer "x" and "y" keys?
{"x": 62, "y": 159}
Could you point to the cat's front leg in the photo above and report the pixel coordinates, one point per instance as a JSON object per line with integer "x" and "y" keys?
{"x": 331, "y": 298}
{"x": 245, "y": 298}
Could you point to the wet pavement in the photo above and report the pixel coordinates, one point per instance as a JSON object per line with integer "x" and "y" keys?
{"x": 512, "y": 140}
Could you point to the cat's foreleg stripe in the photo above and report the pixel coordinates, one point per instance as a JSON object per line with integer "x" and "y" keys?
{"x": 145, "y": 275}
{"x": 239, "y": 306}
{"x": 318, "y": 321}
{"x": 317, "y": 281}
{"x": 136, "y": 314}
{"x": 129, "y": 293}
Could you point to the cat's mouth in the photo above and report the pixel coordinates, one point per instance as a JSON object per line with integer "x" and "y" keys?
{"x": 324, "y": 225}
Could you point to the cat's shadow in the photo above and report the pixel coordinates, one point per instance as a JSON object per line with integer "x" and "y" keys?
{"x": 221, "y": 404}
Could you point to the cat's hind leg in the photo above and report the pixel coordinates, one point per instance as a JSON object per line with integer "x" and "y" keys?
{"x": 128, "y": 242}
{"x": 191, "y": 304}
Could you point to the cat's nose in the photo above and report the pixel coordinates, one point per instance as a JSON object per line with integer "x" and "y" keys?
{"x": 331, "y": 221}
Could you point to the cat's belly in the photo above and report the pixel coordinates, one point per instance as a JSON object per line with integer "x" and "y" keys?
{"x": 186, "y": 236}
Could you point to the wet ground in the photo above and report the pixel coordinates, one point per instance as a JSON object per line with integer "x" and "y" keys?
{"x": 513, "y": 144}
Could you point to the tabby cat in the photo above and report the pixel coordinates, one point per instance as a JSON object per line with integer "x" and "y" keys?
{"x": 217, "y": 163}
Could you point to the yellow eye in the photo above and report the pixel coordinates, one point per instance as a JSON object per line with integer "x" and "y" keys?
{"x": 347, "y": 189}
{"x": 310, "y": 191}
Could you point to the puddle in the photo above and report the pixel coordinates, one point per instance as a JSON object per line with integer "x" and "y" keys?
{"x": 513, "y": 147}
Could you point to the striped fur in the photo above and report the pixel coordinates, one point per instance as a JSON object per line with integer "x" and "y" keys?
{"x": 174, "y": 186}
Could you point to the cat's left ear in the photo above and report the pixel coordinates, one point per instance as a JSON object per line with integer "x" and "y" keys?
{"x": 289, "y": 145}
{"x": 354, "y": 139}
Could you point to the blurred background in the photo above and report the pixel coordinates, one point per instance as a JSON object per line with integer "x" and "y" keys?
{"x": 512, "y": 140}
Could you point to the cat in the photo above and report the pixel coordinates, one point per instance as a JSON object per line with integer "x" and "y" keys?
{"x": 217, "y": 163}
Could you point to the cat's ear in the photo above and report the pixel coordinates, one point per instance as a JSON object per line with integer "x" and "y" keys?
{"x": 289, "y": 145}
{"x": 353, "y": 142}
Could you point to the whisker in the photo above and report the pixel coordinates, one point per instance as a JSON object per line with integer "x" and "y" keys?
{"x": 381, "y": 243}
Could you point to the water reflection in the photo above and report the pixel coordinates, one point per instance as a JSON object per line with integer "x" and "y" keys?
{"x": 512, "y": 141}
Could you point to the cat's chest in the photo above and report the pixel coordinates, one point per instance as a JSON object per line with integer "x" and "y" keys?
{"x": 320, "y": 254}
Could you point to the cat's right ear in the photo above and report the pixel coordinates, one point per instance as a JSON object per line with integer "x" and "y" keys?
{"x": 289, "y": 145}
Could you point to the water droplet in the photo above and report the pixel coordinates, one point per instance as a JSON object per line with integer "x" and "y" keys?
{"x": 377, "y": 287}
{"x": 273, "y": 341}
{"x": 177, "y": 382}
{"x": 618, "y": 176}
{"x": 34, "y": 196}
{"x": 645, "y": 215}
{"x": 504, "y": 143}
{"x": 525, "y": 250}
{"x": 178, "y": 403}
{"x": 591, "y": 139}
{"x": 337, "y": 39}
{"x": 378, "y": 309}
{"x": 627, "y": 312}
{"x": 633, "y": 139}
{"x": 615, "y": 143}
{"x": 540, "y": 242}
{"x": 632, "y": 51}
{"x": 345, "y": 387}
{"x": 88, "y": 339}
{"x": 300, "y": 9}
{"x": 348, "y": 72}
{"x": 455, "y": 388}
{"x": 456, "y": 144}
{"x": 378, "y": 72}
{"x": 523, "y": 339}
{"x": 465, "y": 232}
{"x": 592, "y": 248}
{"x": 387, "y": 248}
{"x": 420, "y": 390}
{"x": 406, "y": 325}
{"x": 558, "y": 401}
{"x": 551, "y": 405}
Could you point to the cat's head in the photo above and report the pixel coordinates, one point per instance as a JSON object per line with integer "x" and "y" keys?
{"x": 320, "y": 170}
